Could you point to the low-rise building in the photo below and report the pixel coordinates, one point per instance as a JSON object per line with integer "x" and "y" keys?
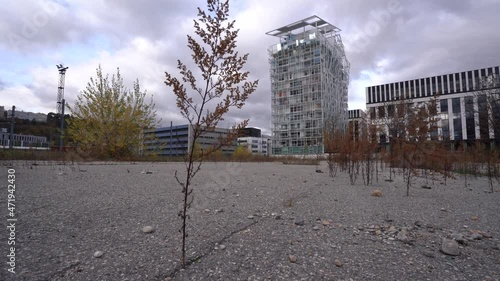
{"x": 256, "y": 145}
{"x": 22, "y": 141}
{"x": 177, "y": 140}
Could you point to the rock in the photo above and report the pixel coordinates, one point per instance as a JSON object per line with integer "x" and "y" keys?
{"x": 392, "y": 230}
{"x": 148, "y": 229}
{"x": 316, "y": 228}
{"x": 487, "y": 235}
{"x": 222, "y": 247}
{"x": 377, "y": 193}
{"x": 476, "y": 236}
{"x": 250, "y": 217}
{"x": 378, "y": 232}
{"x": 98, "y": 254}
{"x": 299, "y": 221}
{"x": 325, "y": 223}
{"x": 207, "y": 210}
{"x": 459, "y": 238}
{"x": 442, "y": 210}
{"x": 292, "y": 258}
{"x": 450, "y": 247}
{"x": 403, "y": 236}
{"x": 428, "y": 253}
{"x": 474, "y": 218}
{"x": 338, "y": 263}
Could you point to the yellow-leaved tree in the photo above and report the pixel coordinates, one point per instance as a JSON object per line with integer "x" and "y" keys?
{"x": 108, "y": 120}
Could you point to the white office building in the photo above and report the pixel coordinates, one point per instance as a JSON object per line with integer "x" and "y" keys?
{"x": 309, "y": 81}
{"x": 468, "y": 107}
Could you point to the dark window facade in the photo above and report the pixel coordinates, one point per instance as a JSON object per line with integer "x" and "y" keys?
{"x": 483, "y": 117}
{"x": 444, "y": 105}
{"x": 455, "y": 104}
{"x": 469, "y": 118}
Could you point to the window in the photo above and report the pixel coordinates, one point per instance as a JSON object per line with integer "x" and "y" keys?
{"x": 464, "y": 83}
{"x": 372, "y": 113}
{"x": 428, "y": 86}
{"x": 444, "y": 105}
{"x": 439, "y": 85}
{"x": 469, "y": 118}
{"x": 390, "y": 111}
{"x": 457, "y": 127}
{"x": 455, "y": 104}
{"x": 433, "y": 86}
{"x": 483, "y": 117}
{"x": 381, "y": 112}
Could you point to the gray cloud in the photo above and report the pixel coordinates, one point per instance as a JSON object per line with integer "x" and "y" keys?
{"x": 420, "y": 39}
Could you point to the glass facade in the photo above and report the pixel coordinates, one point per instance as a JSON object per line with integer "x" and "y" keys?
{"x": 309, "y": 81}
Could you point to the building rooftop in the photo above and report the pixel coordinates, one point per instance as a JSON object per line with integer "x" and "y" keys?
{"x": 306, "y": 24}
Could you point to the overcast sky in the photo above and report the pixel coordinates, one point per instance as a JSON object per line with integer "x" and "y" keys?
{"x": 385, "y": 41}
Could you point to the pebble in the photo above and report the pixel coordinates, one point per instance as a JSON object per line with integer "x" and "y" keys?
{"x": 207, "y": 210}
{"x": 299, "y": 221}
{"x": 476, "y": 236}
{"x": 377, "y": 193}
{"x": 338, "y": 263}
{"x": 443, "y": 210}
{"x": 429, "y": 254}
{"x": 98, "y": 254}
{"x": 325, "y": 222}
{"x": 292, "y": 258}
{"x": 403, "y": 236}
{"x": 316, "y": 228}
{"x": 392, "y": 230}
{"x": 148, "y": 229}
{"x": 250, "y": 217}
{"x": 450, "y": 247}
{"x": 487, "y": 235}
{"x": 222, "y": 247}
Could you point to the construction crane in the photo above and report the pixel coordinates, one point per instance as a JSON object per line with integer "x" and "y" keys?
{"x": 60, "y": 89}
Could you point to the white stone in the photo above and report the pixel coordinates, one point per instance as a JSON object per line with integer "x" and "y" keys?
{"x": 98, "y": 254}
{"x": 148, "y": 229}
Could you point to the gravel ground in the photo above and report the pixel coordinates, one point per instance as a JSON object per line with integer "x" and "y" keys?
{"x": 249, "y": 221}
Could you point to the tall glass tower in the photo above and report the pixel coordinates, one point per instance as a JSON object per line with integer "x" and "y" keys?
{"x": 309, "y": 81}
